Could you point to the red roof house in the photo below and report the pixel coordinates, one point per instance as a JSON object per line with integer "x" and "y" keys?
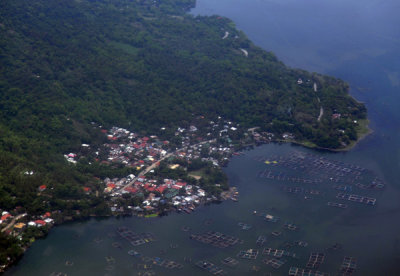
{"x": 161, "y": 188}
{"x": 46, "y": 215}
{"x": 42, "y": 188}
{"x": 131, "y": 190}
{"x": 111, "y": 185}
{"x": 182, "y": 184}
{"x": 40, "y": 222}
{"x": 5, "y": 217}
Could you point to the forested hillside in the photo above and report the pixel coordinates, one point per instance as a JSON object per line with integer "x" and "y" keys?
{"x": 142, "y": 65}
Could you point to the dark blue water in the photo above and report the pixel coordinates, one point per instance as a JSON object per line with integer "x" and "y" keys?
{"x": 358, "y": 41}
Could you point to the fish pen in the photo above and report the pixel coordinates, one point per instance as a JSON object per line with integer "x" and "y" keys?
{"x": 229, "y": 261}
{"x": 315, "y": 260}
{"x": 291, "y": 227}
{"x": 271, "y": 218}
{"x": 296, "y": 243}
{"x": 210, "y": 267}
{"x": 336, "y": 204}
{"x": 278, "y": 253}
{"x": 110, "y": 260}
{"x": 261, "y": 240}
{"x": 250, "y": 254}
{"x": 275, "y": 263}
{"x": 357, "y": 198}
{"x": 276, "y": 233}
{"x": 134, "y": 253}
{"x": 166, "y": 263}
{"x": 348, "y": 266}
{"x": 322, "y": 169}
{"x": 244, "y": 226}
{"x": 216, "y": 239}
{"x": 146, "y": 273}
{"x": 134, "y": 238}
{"x": 295, "y": 271}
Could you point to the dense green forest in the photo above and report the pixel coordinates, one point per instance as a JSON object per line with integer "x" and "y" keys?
{"x": 141, "y": 65}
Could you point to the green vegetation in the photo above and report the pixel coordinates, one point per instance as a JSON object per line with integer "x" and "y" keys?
{"x": 142, "y": 65}
{"x": 67, "y": 63}
{"x": 9, "y": 249}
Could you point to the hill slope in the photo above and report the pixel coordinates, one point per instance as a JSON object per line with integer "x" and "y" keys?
{"x": 143, "y": 65}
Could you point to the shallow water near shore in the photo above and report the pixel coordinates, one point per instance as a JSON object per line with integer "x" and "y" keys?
{"x": 358, "y": 41}
{"x": 367, "y": 233}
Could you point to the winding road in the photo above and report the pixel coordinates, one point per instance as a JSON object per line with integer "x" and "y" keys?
{"x": 321, "y": 109}
{"x": 12, "y": 222}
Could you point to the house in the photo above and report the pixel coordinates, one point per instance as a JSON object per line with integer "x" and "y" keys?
{"x": 50, "y": 220}
{"x": 42, "y": 188}
{"x": 46, "y": 215}
{"x": 6, "y": 216}
{"x": 40, "y": 223}
{"x": 173, "y": 166}
{"x": 162, "y": 188}
{"x": 131, "y": 190}
{"x": 111, "y": 185}
{"x": 181, "y": 184}
{"x": 20, "y": 226}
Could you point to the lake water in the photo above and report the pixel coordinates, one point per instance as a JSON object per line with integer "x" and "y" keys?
{"x": 358, "y": 41}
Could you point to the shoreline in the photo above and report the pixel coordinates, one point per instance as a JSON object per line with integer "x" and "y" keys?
{"x": 362, "y": 134}
{"x": 220, "y": 199}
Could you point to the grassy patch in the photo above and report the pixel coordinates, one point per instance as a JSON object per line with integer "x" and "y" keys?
{"x": 198, "y": 174}
{"x": 362, "y": 128}
{"x": 151, "y": 216}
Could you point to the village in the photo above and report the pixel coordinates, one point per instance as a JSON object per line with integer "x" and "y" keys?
{"x": 175, "y": 172}
{"x": 166, "y": 174}
{"x": 169, "y": 176}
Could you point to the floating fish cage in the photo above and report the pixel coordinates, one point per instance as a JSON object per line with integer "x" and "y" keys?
{"x": 210, "y": 267}
{"x": 250, "y": 254}
{"x": 244, "y": 226}
{"x": 135, "y": 239}
{"x": 315, "y": 260}
{"x": 336, "y": 204}
{"x": 295, "y": 271}
{"x": 291, "y": 227}
{"x": 229, "y": 261}
{"x": 275, "y": 263}
{"x": 357, "y": 198}
{"x": 216, "y": 239}
{"x": 261, "y": 240}
{"x": 348, "y": 266}
{"x": 166, "y": 263}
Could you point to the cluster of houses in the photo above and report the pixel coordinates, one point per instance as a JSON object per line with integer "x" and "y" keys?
{"x": 260, "y": 137}
{"x": 131, "y": 150}
{"x": 210, "y": 141}
{"x": 157, "y": 192}
{"x": 15, "y": 224}
{"x": 128, "y": 148}
{"x": 206, "y": 140}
